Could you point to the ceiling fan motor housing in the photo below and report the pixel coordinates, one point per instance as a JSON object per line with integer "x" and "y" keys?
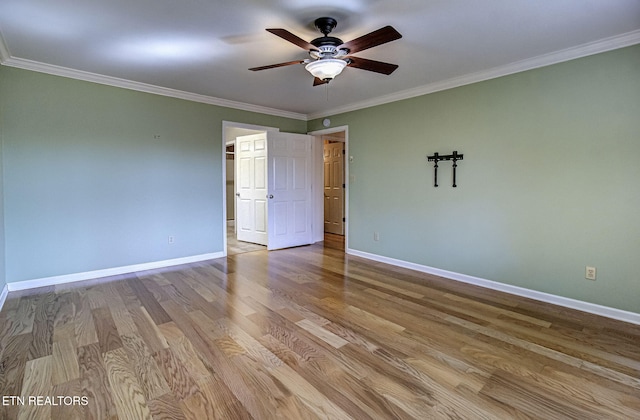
{"x": 327, "y": 51}
{"x": 327, "y": 40}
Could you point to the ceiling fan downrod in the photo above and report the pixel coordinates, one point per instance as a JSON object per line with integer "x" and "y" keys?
{"x": 325, "y": 25}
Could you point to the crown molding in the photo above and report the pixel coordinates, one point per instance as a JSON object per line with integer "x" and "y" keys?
{"x": 584, "y": 50}
{"x": 25, "y": 64}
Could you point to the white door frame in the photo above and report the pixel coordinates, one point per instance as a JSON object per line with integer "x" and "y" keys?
{"x": 226, "y": 125}
{"x": 318, "y": 180}
{"x": 317, "y": 165}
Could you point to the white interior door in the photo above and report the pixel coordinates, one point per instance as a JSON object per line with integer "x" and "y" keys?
{"x": 334, "y": 188}
{"x": 251, "y": 188}
{"x": 289, "y": 190}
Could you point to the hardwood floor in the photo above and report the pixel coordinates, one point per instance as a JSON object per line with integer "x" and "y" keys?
{"x": 234, "y": 246}
{"x": 307, "y": 333}
{"x": 331, "y": 240}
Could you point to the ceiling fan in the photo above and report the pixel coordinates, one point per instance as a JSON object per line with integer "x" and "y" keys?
{"x": 329, "y": 55}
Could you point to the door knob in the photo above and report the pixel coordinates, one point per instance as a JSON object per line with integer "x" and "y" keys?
{"x": 269, "y": 196}
{"x": 238, "y": 194}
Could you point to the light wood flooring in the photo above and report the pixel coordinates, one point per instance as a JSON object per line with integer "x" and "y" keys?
{"x": 331, "y": 240}
{"x": 234, "y": 246}
{"x": 307, "y": 333}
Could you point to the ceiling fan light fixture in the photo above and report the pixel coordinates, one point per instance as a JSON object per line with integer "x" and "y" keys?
{"x": 326, "y": 68}
{"x": 329, "y": 55}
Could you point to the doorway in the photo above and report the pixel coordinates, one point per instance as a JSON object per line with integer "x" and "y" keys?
{"x": 332, "y": 173}
{"x": 232, "y": 131}
{"x": 334, "y": 192}
{"x": 272, "y": 187}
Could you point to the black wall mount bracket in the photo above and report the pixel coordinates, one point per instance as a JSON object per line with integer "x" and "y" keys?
{"x": 455, "y": 157}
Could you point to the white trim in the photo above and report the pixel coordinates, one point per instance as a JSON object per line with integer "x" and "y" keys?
{"x": 319, "y": 235}
{"x": 331, "y": 130}
{"x": 22, "y": 63}
{"x": 584, "y": 50}
{"x": 226, "y": 142}
{"x": 5, "y": 54}
{"x": 89, "y": 275}
{"x": 232, "y": 124}
{"x": 3, "y": 295}
{"x": 592, "y": 308}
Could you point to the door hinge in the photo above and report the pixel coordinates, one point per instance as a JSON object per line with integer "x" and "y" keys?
{"x": 344, "y": 219}
{"x": 344, "y": 185}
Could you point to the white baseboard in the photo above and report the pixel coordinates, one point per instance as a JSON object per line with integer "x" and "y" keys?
{"x": 3, "y": 295}
{"x": 592, "y": 308}
{"x": 619, "y": 314}
{"x": 89, "y": 275}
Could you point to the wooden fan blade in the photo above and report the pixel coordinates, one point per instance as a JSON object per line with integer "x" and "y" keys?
{"x": 370, "y": 40}
{"x": 273, "y": 66}
{"x": 372, "y": 65}
{"x": 317, "y": 81}
{"x": 294, "y": 39}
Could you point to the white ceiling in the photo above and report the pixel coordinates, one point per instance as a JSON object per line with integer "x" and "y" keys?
{"x": 201, "y": 49}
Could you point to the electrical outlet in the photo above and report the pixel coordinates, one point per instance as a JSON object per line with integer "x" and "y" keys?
{"x": 376, "y": 236}
{"x": 170, "y": 240}
{"x": 590, "y": 273}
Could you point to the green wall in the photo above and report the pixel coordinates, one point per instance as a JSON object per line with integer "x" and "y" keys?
{"x": 548, "y": 185}
{"x": 87, "y": 186}
{"x": 550, "y": 180}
